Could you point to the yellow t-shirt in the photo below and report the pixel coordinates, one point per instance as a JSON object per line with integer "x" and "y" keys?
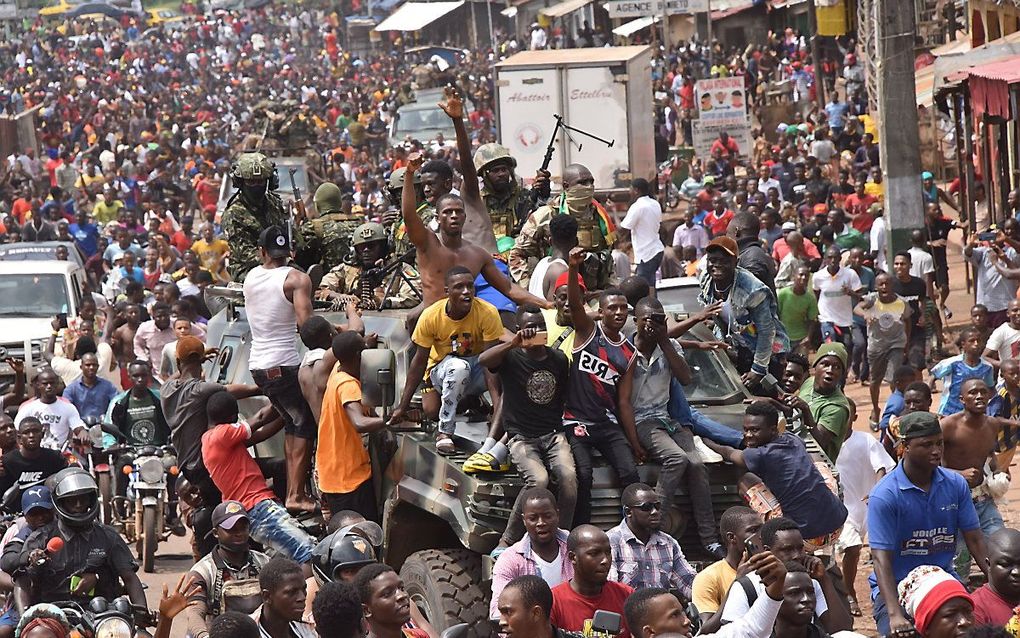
{"x": 106, "y": 213}
{"x": 555, "y": 330}
{"x": 710, "y": 586}
{"x": 340, "y": 455}
{"x": 464, "y": 338}
{"x": 209, "y": 253}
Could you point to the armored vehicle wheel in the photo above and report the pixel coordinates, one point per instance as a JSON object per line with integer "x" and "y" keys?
{"x": 445, "y": 584}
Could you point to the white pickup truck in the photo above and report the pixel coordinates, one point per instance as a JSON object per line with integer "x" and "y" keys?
{"x": 31, "y": 294}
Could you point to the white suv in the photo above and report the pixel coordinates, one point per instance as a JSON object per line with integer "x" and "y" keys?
{"x": 31, "y": 293}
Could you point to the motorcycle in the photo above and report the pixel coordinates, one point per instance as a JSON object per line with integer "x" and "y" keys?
{"x": 669, "y": 194}
{"x": 141, "y": 514}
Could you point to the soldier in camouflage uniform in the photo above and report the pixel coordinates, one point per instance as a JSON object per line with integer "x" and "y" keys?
{"x": 347, "y": 283}
{"x": 508, "y": 203}
{"x": 595, "y": 233}
{"x": 251, "y": 209}
{"x": 327, "y": 237}
{"x": 427, "y": 212}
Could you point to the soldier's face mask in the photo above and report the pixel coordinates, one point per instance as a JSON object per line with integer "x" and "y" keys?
{"x": 255, "y": 191}
{"x": 579, "y": 196}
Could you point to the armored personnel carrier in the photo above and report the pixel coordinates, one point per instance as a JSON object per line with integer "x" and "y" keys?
{"x": 439, "y": 522}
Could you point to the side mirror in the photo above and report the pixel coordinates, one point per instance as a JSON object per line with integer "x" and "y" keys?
{"x": 379, "y": 377}
{"x": 456, "y": 631}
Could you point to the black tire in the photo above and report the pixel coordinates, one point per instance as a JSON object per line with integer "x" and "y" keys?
{"x": 105, "y": 496}
{"x": 150, "y": 538}
{"x": 446, "y": 586}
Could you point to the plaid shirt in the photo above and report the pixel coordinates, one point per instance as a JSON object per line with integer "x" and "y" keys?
{"x": 657, "y": 563}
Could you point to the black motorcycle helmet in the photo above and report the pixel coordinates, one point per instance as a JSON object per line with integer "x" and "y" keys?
{"x": 351, "y": 546}
{"x": 69, "y": 483}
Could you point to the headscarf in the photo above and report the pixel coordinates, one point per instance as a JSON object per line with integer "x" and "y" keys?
{"x": 44, "y": 615}
{"x": 925, "y": 590}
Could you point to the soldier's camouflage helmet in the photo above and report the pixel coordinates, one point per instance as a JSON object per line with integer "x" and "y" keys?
{"x": 368, "y": 233}
{"x": 488, "y": 154}
{"x": 252, "y": 166}
{"x": 397, "y": 178}
{"x": 327, "y": 198}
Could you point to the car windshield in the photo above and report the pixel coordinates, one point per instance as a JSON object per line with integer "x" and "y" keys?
{"x": 420, "y": 119}
{"x": 33, "y": 295}
{"x": 710, "y": 383}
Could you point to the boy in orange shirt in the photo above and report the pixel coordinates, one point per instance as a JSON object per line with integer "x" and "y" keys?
{"x": 345, "y": 471}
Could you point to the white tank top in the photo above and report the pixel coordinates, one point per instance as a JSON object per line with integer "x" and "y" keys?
{"x": 272, "y": 319}
{"x": 535, "y": 286}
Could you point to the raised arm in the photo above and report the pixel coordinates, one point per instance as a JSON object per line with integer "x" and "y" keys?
{"x": 453, "y": 106}
{"x": 584, "y": 325}
{"x": 477, "y": 223}
{"x": 417, "y": 231}
{"x": 492, "y": 358}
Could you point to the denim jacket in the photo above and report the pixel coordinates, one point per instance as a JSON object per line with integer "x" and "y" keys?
{"x": 753, "y": 318}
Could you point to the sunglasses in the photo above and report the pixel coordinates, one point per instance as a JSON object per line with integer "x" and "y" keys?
{"x": 657, "y": 318}
{"x": 648, "y": 507}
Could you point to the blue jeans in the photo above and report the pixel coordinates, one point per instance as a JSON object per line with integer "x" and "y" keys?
{"x": 273, "y": 526}
{"x": 990, "y": 520}
{"x": 647, "y": 269}
{"x": 682, "y": 412}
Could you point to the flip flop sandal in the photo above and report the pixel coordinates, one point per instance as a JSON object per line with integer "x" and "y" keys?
{"x": 444, "y": 445}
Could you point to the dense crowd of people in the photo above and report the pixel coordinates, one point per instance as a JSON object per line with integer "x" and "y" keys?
{"x": 528, "y": 303}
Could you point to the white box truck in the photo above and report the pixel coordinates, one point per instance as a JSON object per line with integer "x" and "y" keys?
{"x": 604, "y": 91}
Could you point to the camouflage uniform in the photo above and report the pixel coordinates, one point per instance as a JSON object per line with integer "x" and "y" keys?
{"x": 327, "y": 238}
{"x": 383, "y": 293}
{"x": 427, "y": 212}
{"x": 508, "y": 212}
{"x": 345, "y": 279}
{"x": 533, "y": 243}
{"x": 244, "y": 221}
{"x": 401, "y": 243}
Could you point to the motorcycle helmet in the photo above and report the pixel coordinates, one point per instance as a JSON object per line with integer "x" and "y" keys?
{"x": 69, "y": 483}
{"x": 351, "y": 546}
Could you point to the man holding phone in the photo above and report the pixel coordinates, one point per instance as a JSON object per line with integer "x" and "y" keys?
{"x": 644, "y": 400}
{"x": 534, "y": 379}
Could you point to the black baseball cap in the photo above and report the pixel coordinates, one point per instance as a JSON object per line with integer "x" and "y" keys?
{"x": 275, "y": 242}
{"x": 228, "y": 513}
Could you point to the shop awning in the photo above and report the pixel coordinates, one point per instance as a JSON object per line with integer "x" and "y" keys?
{"x": 989, "y": 86}
{"x": 628, "y": 29}
{"x": 563, "y": 8}
{"x": 413, "y": 16}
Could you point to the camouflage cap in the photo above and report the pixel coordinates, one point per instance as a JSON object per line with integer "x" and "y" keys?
{"x": 397, "y": 178}
{"x": 368, "y": 233}
{"x": 327, "y": 198}
{"x": 254, "y": 166}
{"x": 488, "y": 154}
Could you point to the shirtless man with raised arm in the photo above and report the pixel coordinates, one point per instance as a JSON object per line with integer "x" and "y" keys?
{"x": 970, "y": 438}
{"x": 477, "y": 227}
{"x": 438, "y": 253}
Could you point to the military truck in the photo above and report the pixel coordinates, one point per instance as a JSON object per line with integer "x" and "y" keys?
{"x": 440, "y": 523}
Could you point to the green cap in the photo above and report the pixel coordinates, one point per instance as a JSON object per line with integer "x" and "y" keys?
{"x": 918, "y": 424}
{"x": 834, "y": 349}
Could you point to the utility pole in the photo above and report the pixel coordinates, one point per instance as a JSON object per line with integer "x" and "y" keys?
{"x": 665, "y": 29}
{"x": 816, "y": 54}
{"x": 708, "y": 14}
{"x": 897, "y": 122}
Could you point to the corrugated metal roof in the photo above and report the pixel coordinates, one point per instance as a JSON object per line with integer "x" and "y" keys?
{"x": 1007, "y": 70}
